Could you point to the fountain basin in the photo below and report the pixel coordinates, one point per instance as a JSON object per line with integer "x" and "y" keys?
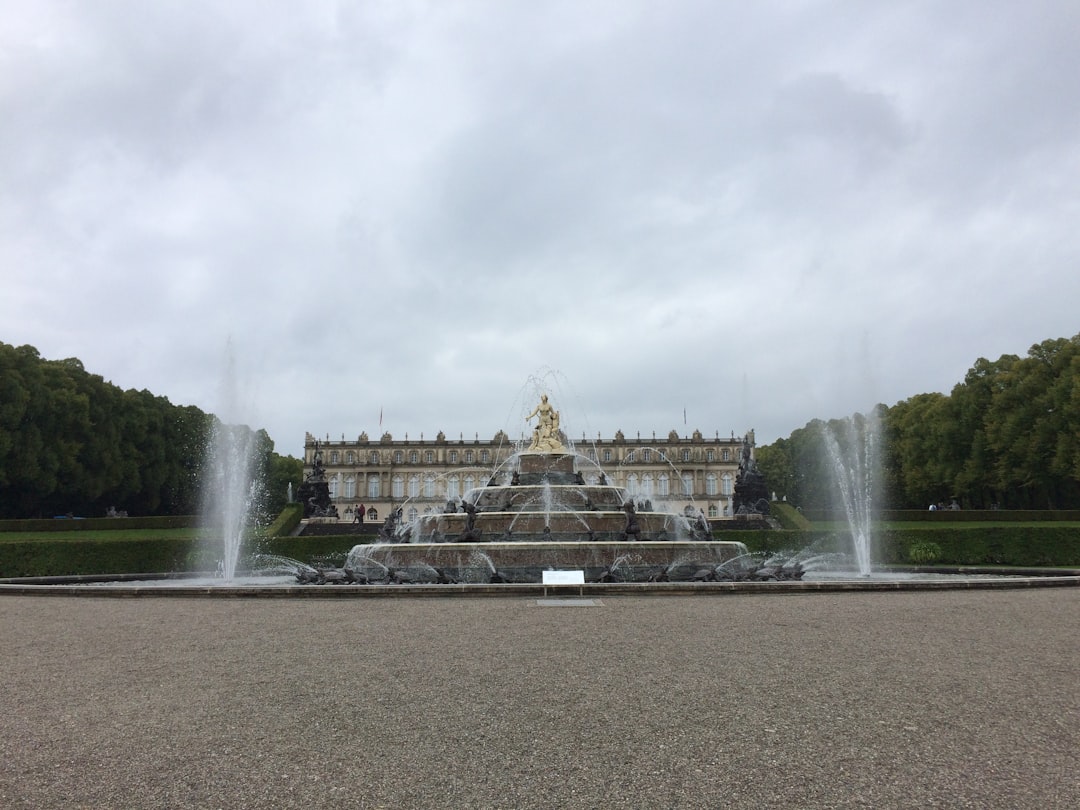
{"x": 525, "y": 562}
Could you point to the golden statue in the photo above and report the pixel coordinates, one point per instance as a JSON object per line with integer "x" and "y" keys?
{"x": 546, "y": 433}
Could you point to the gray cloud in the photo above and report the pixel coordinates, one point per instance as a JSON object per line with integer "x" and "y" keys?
{"x": 761, "y": 213}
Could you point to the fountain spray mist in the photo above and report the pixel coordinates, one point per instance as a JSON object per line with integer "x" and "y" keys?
{"x": 230, "y": 486}
{"x": 853, "y": 452}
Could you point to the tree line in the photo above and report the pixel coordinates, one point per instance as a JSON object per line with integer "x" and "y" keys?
{"x": 70, "y": 442}
{"x": 1008, "y": 436}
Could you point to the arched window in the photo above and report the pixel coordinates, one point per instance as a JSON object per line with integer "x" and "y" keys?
{"x": 725, "y": 484}
{"x": 687, "y": 484}
{"x": 712, "y": 510}
{"x": 373, "y": 513}
{"x": 350, "y": 488}
{"x": 452, "y": 487}
{"x": 647, "y": 485}
{"x": 710, "y": 484}
{"x": 632, "y": 484}
{"x": 414, "y": 486}
{"x": 373, "y": 486}
{"x": 397, "y": 487}
{"x": 429, "y": 486}
{"x": 470, "y": 482}
{"x": 664, "y": 485}
{"x": 335, "y": 484}
{"x": 413, "y": 514}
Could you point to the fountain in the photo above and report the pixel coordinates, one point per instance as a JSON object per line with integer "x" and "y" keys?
{"x": 853, "y": 453}
{"x": 536, "y": 514}
{"x": 229, "y": 483}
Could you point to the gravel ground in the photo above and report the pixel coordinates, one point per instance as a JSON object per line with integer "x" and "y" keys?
{"x": 883, "y": 700}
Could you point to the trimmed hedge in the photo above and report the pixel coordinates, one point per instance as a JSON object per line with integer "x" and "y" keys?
{"x": 139, "y": 555}
{"x": 1023, "y": 546}
{"x": 958, "y": 516}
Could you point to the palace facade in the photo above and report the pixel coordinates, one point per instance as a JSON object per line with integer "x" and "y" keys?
{"x": 677, "y": 474}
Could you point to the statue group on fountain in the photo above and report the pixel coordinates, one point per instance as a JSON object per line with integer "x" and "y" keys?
{"x": 546, "y": 437}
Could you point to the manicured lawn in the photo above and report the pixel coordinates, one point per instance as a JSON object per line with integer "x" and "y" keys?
{"x": 103, "y": 534}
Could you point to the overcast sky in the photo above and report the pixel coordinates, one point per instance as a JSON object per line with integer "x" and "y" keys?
{"x": 755, "y": 214}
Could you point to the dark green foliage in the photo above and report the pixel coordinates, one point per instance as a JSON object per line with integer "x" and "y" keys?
{"x": 924, "y": 553}
{"x": 70, "y": 442}
{"x": 1008, "y": 435}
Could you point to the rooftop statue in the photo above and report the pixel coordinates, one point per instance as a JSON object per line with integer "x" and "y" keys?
{"x": 546, "y": 438}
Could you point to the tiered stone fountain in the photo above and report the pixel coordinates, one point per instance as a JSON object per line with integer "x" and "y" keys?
{"x": 540, "y": 515}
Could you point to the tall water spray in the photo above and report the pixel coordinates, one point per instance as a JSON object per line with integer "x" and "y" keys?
{"x": 853, "y": 451}
{"x": 229, "y": 486}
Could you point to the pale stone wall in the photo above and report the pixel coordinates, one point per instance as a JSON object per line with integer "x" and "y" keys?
{"x": 423, "y": 474}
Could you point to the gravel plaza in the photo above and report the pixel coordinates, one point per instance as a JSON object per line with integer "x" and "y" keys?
{"x": 883, "y": 700}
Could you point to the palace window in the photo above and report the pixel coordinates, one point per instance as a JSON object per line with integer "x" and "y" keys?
{"x": 350, "y": 457}
{"x": 334, "y": 485}
{"x": 647, "y": 485}
{"x": 453, "y": 456}
{"x": 725, "y": 454}
{"x": 470, "y": 482}
{"x": 350, "y": 488}
{"x": 429, "y": 457}
{"x": 468, "y": 456}
{"x": 334, "y": 457}
{"x": 413, "y": 514}
{"x": 414, "y": 486}
{"x": 485, "y": 456}
{"x": 712, "y": 510}
{"x": 630, "y": 455}
{"x": 373, "y": 457}
{"x": 397, "y": 487}
{"x": 398, "y": 457}
{"x": 429, "y": 486}
{"x": 664, "y": 485}
{"x": 632, "y": 484}
{"x": 414, "y": 457}
{"x": 373, "y": 486}
{"x": 607, "y": 455}
{"x": 725, "y": 484}
{"x": 646, "y": 455}
{"x": 453, "y": 488}
{"x": 686, "y": 454}
{"x": 710, "y": 484}
{"x": 710, "y": 456}
{"x": 687, "y": 484}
